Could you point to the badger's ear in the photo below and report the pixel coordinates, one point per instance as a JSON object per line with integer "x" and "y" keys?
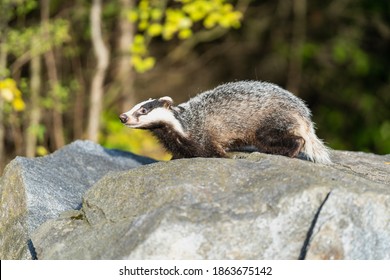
{"x": 167, "y": 101}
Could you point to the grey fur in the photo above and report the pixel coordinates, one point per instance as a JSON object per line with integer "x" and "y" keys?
{"x": 245, "y": 113}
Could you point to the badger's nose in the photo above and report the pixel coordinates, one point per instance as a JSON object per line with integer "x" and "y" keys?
{"x": 124, "y": 118}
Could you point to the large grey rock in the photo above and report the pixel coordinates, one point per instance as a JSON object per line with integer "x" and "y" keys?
{"x": 255, "y": 206}
{"x": 369, "y": 166}
{"x": 35, "y": 190}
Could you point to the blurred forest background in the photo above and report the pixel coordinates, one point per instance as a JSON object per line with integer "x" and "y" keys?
{"x": 69, "y": 68}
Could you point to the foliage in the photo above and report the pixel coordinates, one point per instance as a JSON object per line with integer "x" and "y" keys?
{"x": 349, "y": 81}
{"x": 154, "y": 19}
{"x": 344, "y": 79}
{"x": 32, "y": 39}
{"x": 10, "y": 93}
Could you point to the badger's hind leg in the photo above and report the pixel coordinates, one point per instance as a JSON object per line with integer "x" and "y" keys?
{"x": 279, "y": 142}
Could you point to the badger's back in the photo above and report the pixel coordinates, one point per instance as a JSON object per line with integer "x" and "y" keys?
{"x": 236, "y": 113}
{"x": 241, "y": 106}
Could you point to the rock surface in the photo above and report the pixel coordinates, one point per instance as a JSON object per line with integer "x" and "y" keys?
{"x": 35, "y": 190}
{"x": 254, "y": 206}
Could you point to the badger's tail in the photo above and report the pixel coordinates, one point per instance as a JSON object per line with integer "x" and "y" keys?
{"x": 314, "y": 149}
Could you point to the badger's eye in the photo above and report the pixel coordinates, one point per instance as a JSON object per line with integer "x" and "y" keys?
{"x": 143, "y": 111}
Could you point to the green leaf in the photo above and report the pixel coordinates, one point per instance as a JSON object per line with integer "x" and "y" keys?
{"x": 132, "y": 16}
{"x": 155, "y": 30}
{"x": 185, "y": 34}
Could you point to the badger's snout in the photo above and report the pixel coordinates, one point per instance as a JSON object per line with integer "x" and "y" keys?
{"x": 124, "y": 118}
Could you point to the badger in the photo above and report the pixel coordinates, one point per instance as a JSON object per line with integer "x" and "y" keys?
{"x": 230, "y": 117}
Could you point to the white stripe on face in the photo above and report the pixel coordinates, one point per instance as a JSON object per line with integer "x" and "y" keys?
{"x": 161, "y": 115}
{"x": 154, "y": 117}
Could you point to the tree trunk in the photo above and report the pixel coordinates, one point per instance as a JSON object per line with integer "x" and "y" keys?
{"x": 3, "y": 66}
{"x": 102, "y": 56}
{"x": 78, "y": 108}
{"x": 57, "y": 123}
{"x": 125, "y": 73}
{"x": 298, "y": 38}
{"x": 34, "y": 113}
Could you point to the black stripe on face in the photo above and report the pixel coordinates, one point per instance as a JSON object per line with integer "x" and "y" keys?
{"x": 148, "y": 107}
{"x": 153, "y": 105}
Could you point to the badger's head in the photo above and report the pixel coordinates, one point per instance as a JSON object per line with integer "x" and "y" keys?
{"x": 151, "y": 114}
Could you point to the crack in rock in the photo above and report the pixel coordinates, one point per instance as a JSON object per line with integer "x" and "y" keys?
{"x": 32, "y": 250}
{"x": 309, "y": 234}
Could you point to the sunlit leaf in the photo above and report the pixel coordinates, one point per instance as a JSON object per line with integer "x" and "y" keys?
{"x": 42, "y": 151}
{"x": 156, "y": 14}
{"x": 185, "y": 34}
{"x": 211, "y": 20}
{"x": 6, "y": 94}
{"x": 132, "y": 16}
{"x": 18, "y": 104}
{"x": 155, "y": 29}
